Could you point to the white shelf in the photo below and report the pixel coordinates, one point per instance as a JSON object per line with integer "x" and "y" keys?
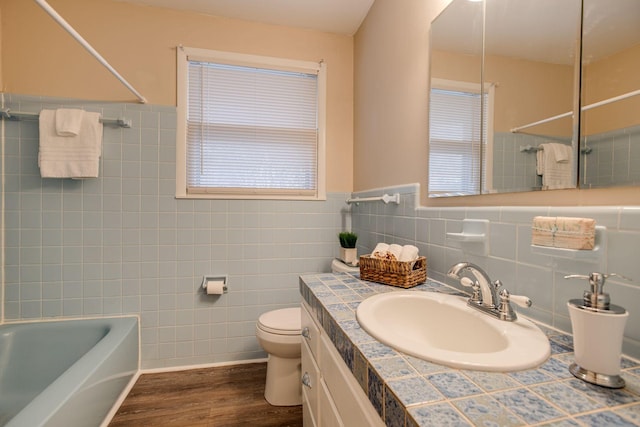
{"x": 474, "y": 236}
{"x": 463, "y": 237}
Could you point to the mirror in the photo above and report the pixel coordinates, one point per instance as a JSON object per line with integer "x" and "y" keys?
{"x": 526, "y": 70}
{"x": 610, "y": 121}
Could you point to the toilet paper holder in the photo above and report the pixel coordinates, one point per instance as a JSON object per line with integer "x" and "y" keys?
{"x": 207, "y": 279}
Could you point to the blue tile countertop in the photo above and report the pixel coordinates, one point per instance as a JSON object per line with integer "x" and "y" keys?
{"x": 409, "y": 392}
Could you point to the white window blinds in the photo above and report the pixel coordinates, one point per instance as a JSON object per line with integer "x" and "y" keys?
{"x": 251, "y": 130}
{"x": 454, "y": 143}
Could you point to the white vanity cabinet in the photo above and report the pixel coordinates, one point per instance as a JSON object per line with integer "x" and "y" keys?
{"x": 331, "y": 396}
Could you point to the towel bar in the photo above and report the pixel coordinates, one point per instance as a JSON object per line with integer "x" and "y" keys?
{"x": 7, "y": 114}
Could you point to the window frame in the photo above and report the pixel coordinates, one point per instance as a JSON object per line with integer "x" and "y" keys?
{"x": 184, "y": 54}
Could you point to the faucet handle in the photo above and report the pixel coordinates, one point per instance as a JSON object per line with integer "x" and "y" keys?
{"x": 505, "y": 311}
{"x": 473, "y": 284}
{"x": 521, "y": 300}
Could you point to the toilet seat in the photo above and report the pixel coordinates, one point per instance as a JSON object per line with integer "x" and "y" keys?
{"x": 286, "y": 321}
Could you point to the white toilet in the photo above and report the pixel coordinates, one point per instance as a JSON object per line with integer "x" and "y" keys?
{"x": 337, "y": 266}
{"x": 279, "y": 334}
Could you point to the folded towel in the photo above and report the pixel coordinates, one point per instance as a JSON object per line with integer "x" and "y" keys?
{"x": 540, "y": 161}
{"x": 561, "y": 152}
{"x": 409, "y": 253}
{"x": 395, "y": 251}
{"x": 380, "y": 251}
{"x": 71, "y": 156}
{"x": 555, "y": 174}
{"x": 68, "y": 121}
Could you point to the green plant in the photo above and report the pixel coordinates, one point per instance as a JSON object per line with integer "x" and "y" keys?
{"x": 348, "y": 239}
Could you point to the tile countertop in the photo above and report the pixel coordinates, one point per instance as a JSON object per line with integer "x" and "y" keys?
{"x": 407, "y": 391}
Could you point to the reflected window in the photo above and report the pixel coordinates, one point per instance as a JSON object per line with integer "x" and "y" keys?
{"x": 456, "y": 135}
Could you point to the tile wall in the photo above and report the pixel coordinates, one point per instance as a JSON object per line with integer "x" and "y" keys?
{"x": 513, "y": 168}
{"x": 612, "y": 158}
{"x": 509, "y": 256}
{"x": 122, "y": 244}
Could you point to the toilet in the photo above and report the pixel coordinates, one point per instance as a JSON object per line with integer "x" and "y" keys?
{"x": 279, "y": 334}
{"x": 337, "y": 266}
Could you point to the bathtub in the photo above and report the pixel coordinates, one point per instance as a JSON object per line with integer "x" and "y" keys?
{"x": 65, "y": 373}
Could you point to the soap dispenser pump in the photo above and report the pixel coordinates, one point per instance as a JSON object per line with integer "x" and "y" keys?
{"x": 598, "y": 330}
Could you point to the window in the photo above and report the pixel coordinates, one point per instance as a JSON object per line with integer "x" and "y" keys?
{"x": 456, "y": 163}
{"x": 249, "y": 126}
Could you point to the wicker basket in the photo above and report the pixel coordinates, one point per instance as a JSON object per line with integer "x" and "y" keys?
{"x": 394, "y": 273}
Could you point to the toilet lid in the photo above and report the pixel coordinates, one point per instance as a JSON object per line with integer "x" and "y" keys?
{"x": 286, "y": 321}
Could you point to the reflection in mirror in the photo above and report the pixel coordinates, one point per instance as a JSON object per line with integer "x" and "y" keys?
{"x": 528, "y": 78}
{"x": 455, "y": 117}
{"x": 530, "y": 53}
{"x": 610, "y": 123}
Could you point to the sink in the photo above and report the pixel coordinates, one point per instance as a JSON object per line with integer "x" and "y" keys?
{"x": 441, "y": 328}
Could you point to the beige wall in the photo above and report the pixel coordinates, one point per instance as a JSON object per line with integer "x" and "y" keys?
{"x": 391, "y": 58}
{"x": 39, "y": 58}
{"x": 608, "y": 77}
{"x": 548, "y": 88}
{"x": 391, "y": 129}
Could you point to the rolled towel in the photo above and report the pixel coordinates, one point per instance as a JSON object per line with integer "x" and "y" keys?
{"x": 380, "y": 251}
{"x": 68, "y": 121}
{"x": 409, "y": 253}
{"x": 395, "y": 251}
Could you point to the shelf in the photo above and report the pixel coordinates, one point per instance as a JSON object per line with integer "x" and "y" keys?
{"x": 474, "y": 236}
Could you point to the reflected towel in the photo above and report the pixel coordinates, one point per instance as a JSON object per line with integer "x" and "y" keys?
{"x": 555, "y": 174}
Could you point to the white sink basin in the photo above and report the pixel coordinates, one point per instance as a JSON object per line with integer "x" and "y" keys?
{"x": 441, "y": 328}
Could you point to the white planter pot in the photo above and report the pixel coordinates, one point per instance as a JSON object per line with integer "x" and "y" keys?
{"x": 349, "y": 255}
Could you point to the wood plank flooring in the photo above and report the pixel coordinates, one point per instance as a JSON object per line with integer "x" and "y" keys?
{"x": 226, "y": 396}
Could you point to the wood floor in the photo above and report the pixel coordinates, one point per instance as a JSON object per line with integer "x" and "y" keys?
{"x": 214, "y": 397}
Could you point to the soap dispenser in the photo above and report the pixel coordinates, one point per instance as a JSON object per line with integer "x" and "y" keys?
{"x": 598, "y": 329}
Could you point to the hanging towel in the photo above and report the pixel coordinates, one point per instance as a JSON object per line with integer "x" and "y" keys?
{"x": 68, "y": 121}
{"x": 561, "y": 152}
{"x": 556, "y": 166}
{"x": 70, "y": 156}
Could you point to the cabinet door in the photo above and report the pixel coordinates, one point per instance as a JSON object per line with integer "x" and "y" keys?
{"x": 310, "y": 386}
{"x": 329, "y": 416}
{"x": 308, "y": 419}
{"x": 353, "y": 405}
{"x": 311, "y": 332}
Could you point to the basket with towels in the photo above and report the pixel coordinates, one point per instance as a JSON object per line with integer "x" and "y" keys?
{"x": 394, "y": 265}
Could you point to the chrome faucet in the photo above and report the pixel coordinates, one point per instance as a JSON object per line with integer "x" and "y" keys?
{"x": 485, "y": 295}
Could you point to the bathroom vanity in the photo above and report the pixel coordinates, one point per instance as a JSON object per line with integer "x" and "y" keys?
{"x": 331, "y": 395}
{"x": 352, "y": 379}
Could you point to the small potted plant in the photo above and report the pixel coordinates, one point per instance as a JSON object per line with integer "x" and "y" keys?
{"x": 348, "y": 251}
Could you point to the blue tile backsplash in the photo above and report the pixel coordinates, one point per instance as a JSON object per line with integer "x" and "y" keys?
{"x": 510, "y": 258}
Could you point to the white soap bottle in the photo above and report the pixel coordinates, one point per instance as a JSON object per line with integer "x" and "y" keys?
{"x": 598, "y": 330}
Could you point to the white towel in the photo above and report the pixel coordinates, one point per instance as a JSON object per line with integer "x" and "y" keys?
{"x": 395, "y": 250}
{"x": 540, "y": 161}
{"x": 409, "y": 253}
{"x": 68, "y": 121}
{"x": 380, "y": 251}
{"x": 71, "y": 156}
{"x": 556, "y": 174}
{"x": 561, "y": 152}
